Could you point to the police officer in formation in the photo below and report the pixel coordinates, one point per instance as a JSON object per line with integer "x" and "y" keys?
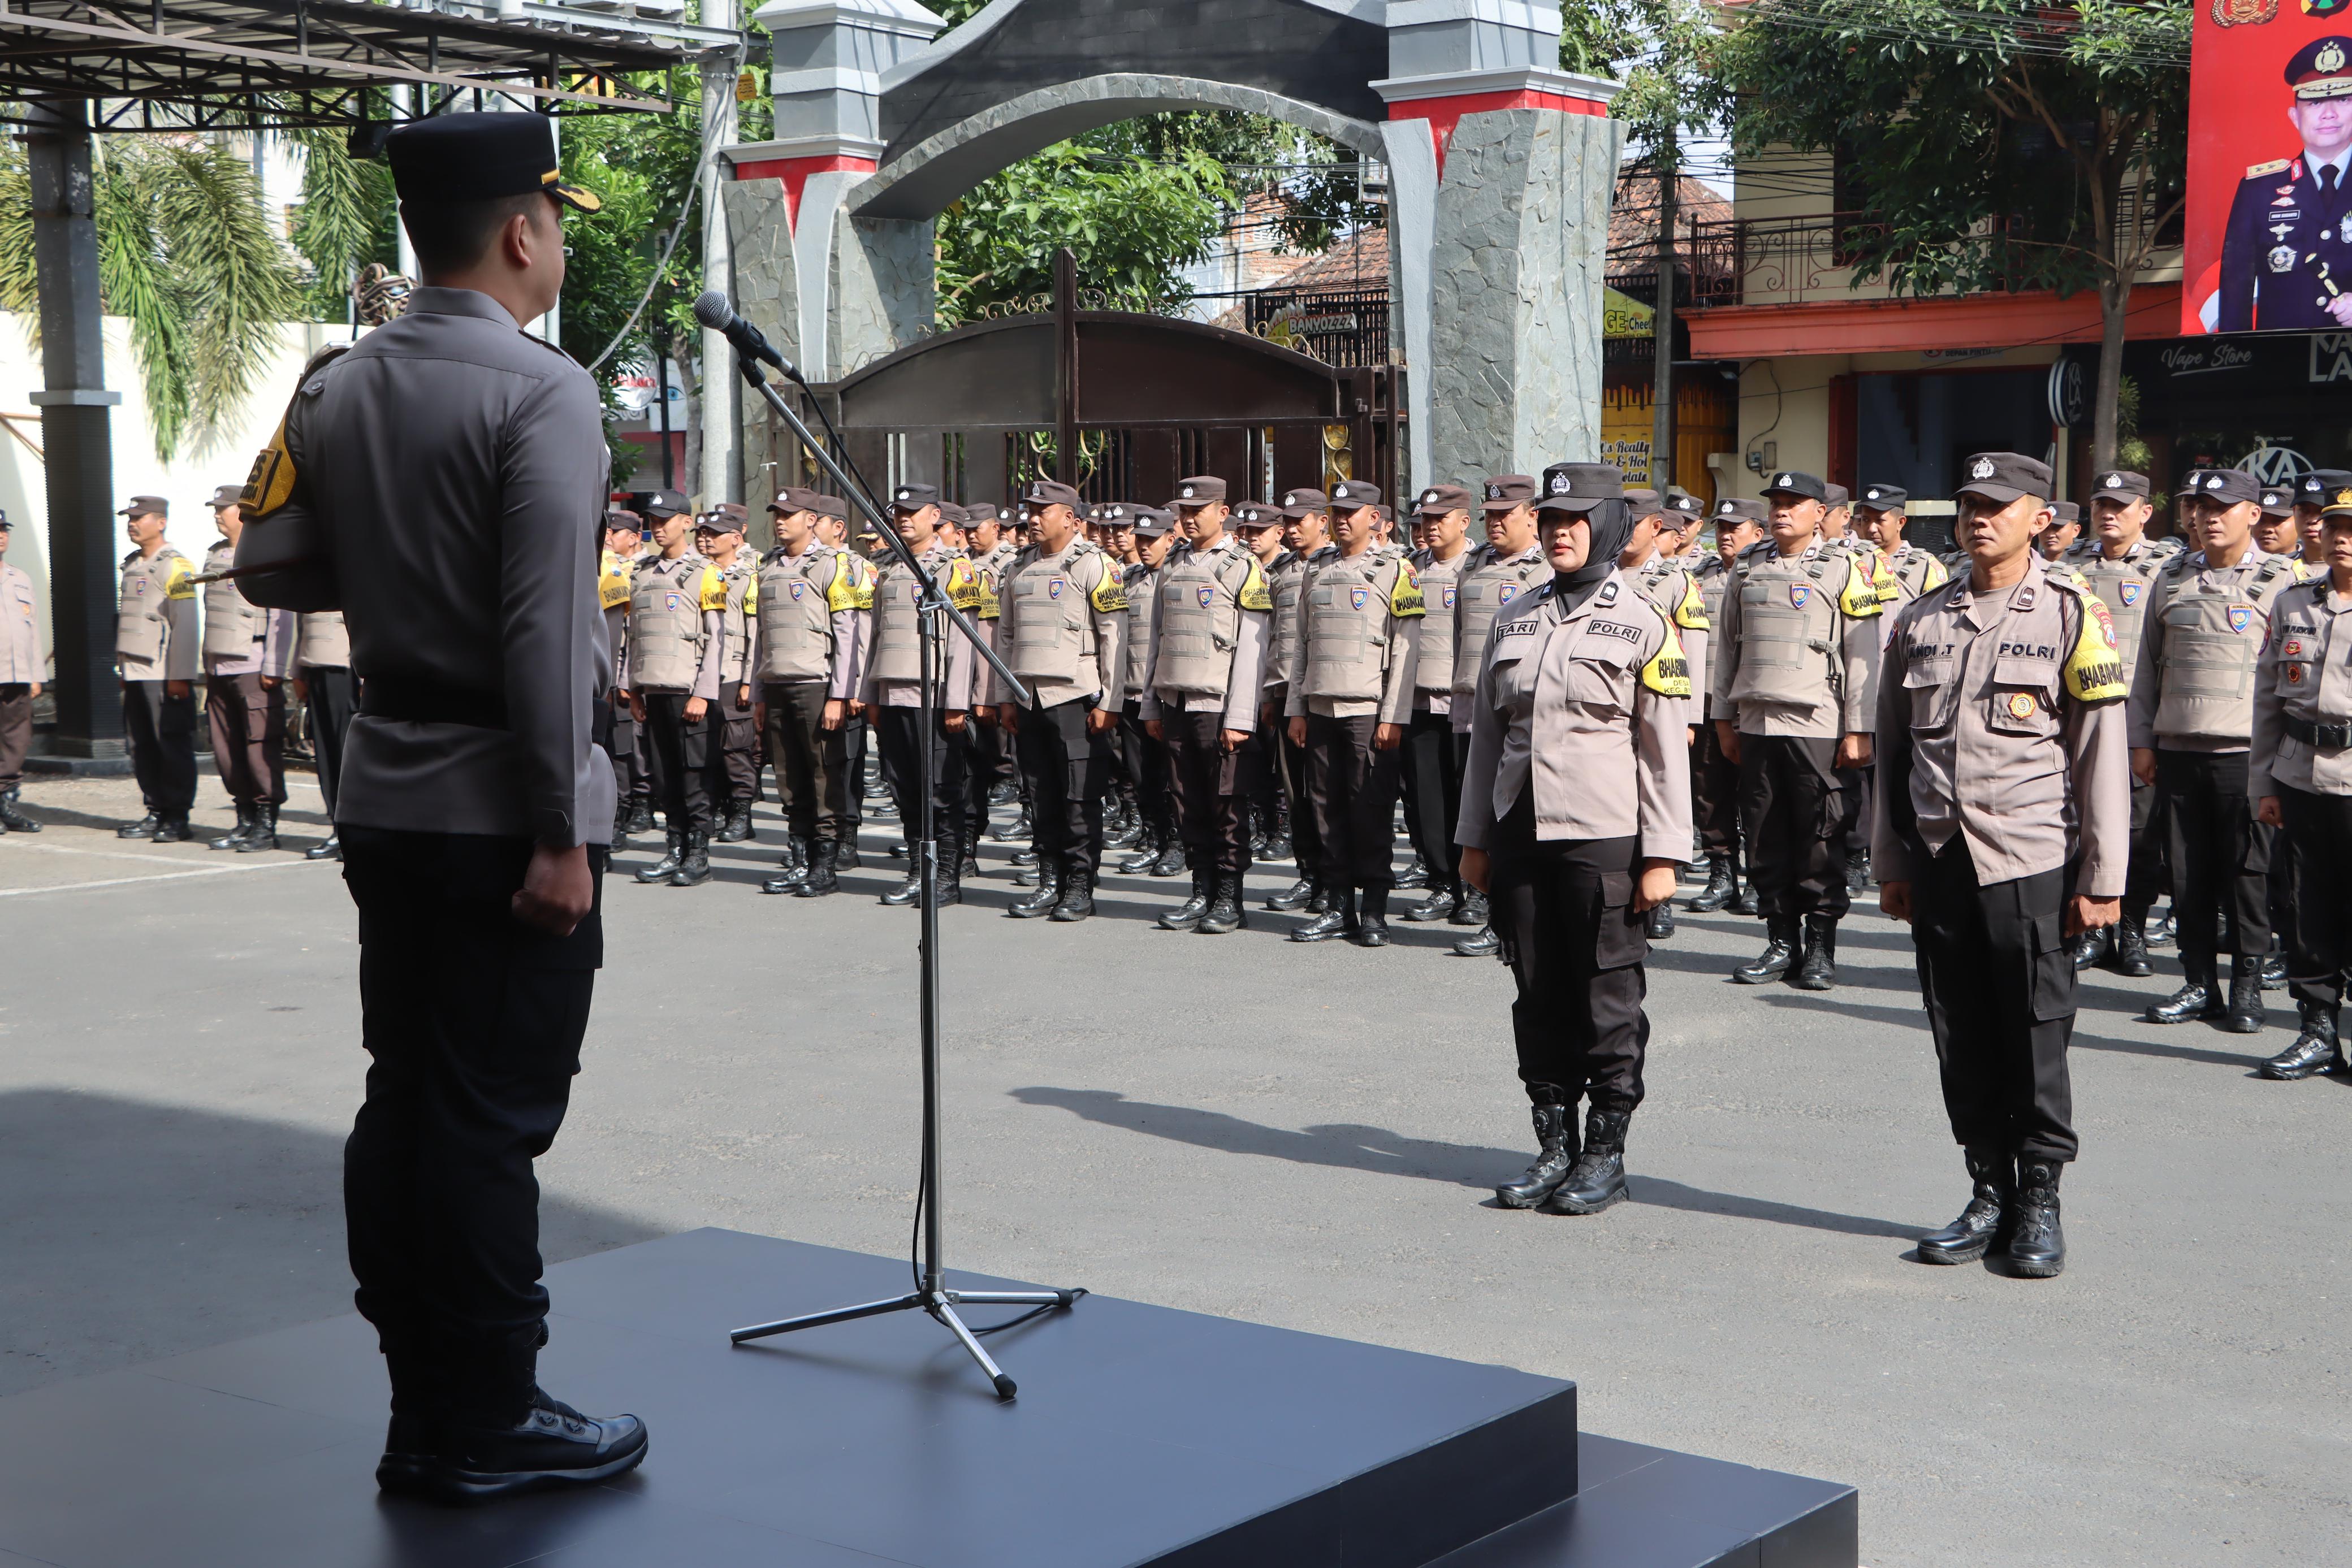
{"x": 623, "y": 542}
{"x": 249, "y": 657}
{"x": 1263, "y": 531}
{"x": 323, "y": 680}
{"x": 1307, "y": 540}
{"x": 808, "y": 632}
{"x": 157, "y": 649}
{"x": 678, "y": 605}
{"x": 1159, "y": 848}
{"x": 1715, "y": 776}
{"x": 734, "y": 765}
{"x": 1510, "y": 564}
{"x": 1795, "y": 679}
{"x": 1433, "y": 750}
{"x": 2003, "y": 826}
{"x": 892, "y": 691}
{"x": 1662, "y": 527}
{"x": 20, "y": 683}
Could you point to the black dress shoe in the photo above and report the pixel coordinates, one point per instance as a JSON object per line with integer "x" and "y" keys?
{"x": 332, "y": 850}
{"x": 1597, "y": 1180}
{"x": 2130, "y": 953}
{"x": 1555, "y": 1150}
{"x": 1293, "y": 898}
{"x": 1471, "y": 911}
{"x": 2197, "y": 999}
{"x": 905, "y": 893}
{"x": 142, "y": 828}
{"x": 1779, "y": 953}
{"x": 1440, "y": 905}
{"x": 1981, "y": 1224}
{"x": 2091, "y": 946}
{"x": 2244, "y": 1015}
{"x": 1414, "y": 875}
{"x": 552, "y": 1446}
{"x": 1480, "y": 944}
{"x": 2316, "y": 1049}
{"x": 2037, "y": 1247}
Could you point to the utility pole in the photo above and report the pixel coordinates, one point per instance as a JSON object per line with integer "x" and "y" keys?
{"x": 1662, "y": 389}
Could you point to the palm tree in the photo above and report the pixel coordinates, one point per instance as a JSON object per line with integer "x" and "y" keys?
{"x": 187, "y": 253}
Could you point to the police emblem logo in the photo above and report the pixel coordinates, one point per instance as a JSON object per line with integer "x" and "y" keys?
{"x": 1356, "y": 597}
{"x": 2330, "y": 57}
{"x": 1725, "y": 509}
{"x": 1445, "y": 596}
{"x": 1800, "y": 595}
{"x": 673, "y": 602}
{"x": 2022, "y": 705}
{"x": 2131, "y": 591}
{"x": 906, "y": 494}
{"x": 2241, "y": 617}
{"x": 2295, "y": 674}
{"x": 2291, "y": 649}
{"x": 1981, "y": 469}
{"x": 1508, "y": 592}
{"x": 2282, "y": 257}
{"x": 1185, "y": 494}
{"x": 1054, "y": 588}
{"x": 1494, "y": 492}
{"x": 1559, "y": 485}
{"x": 1208, "y": 595}
{"x": 1871, "y": 494}
{"x": 1782, "y": 481}
{"x": 2343, "y": 499}
{"x": 2212, "y": 481}
{"x": 2246, "y": 12}
{"x": 2112, "y": 482}
{"x": 797, "y": 588}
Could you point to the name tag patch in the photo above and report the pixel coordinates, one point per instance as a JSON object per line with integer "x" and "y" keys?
{"x": 1514, "y": 628}
{"x": 1614, "y": 629}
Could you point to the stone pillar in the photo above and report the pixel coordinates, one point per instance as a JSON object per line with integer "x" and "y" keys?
{"x": 722, "y": 478}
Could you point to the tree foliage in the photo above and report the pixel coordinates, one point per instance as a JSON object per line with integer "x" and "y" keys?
{"x": 348, "y": 218}
{"x": 1662, "y": 51}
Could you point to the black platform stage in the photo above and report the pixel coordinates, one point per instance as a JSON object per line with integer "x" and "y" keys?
{"x": 1141, "y": 1435}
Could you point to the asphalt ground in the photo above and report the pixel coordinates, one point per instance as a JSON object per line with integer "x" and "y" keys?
{"x": 1297, "y": 1135}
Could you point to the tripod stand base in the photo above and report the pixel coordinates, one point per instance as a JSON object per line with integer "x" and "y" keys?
{"x": 941, "y": 1305}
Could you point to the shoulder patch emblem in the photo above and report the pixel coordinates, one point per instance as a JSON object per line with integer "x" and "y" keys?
{"x": 1253, "y": 594}
{"x": 1405, "y": 598}
{"x": 1667, "y": 673}
{"x": 1109, "y": 596}
{"x": 1861, "y": 599}
{"x": 2261, "y": 171}
{"x": 714, "y": 589}
{"x": 2095, "y": 669}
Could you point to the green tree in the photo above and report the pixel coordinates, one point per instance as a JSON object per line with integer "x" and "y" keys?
{"x": 2017, "y": 144}
{"x": 347, "y": 219}
{"x": 188, "y": 254}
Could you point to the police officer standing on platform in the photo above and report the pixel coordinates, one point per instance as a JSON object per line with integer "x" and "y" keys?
{"x": 323, "y": 680}
{"x": 1200, "y": 699}
{"x": 2193, "y": 721}
{"x": 1350, "y": 695}
{"x": 677, "y": 603}
{"x": 1432, "y": 750}
{"x": 1714, "y": 777}
{"x": 249, "y": 655}
{"x": 2301, "y": 778}
{"x": 441, "y": 482}
{"x": 807, "y": 647}
{"x": 1795, "y": 677}
{"x": 20, "y": 683}
{"x": 1063, "y": 629}
{"x": 2003, "y": 812}
{"x": 1576, "y": 822}
{"x": 157, "y": 650}
{"x": 893, "y": 693}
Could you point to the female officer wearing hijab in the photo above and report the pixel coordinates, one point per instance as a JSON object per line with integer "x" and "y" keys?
{"x": 1576, "y": 820}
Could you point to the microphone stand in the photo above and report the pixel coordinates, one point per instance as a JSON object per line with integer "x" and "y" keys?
{"x": 931, "y": 1293}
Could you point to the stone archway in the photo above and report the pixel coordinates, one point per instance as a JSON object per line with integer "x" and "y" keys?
{"x": 1501, "y": 167}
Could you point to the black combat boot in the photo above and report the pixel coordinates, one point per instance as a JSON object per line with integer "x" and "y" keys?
{"x": 1077, "y": 899}
{"x": 245, "y": 816}
{"x": 1816, "y": 969}
{"x": 1187, "y": 916}
{"x": 694, "y": 866}
{"x": 1748, "y": 900}
{"x": 1123, "y": 829}
{"x": 950, "y": 886}
{"x": 908, "y": 890}
{"x": 552, "y": 1446}
{"x": 1470, "y": 911}
{"x": 2093, "y": 945}
{"x": 1443, "y": 898}
{"x": 641, "y": 816}
{"x": 173, "y": 831}
{"x": 264, "y": 836}
{"x": 2274, "y": 972}
{"x": 2198, "y": 997}
{"x": 2163, "y": 932}
{"x": 968, "y": 854}
{"x": 728, "y": 833}
{"x": 824, "y": 862}
{"x": 844, "y": 852}
{"x": 1224, "y": 912}
{"x": 1658, "y": 923}
{"x": 793, "y": 862}
{"x": 1277, "y": 840}
{"x": 13, "y": 820}
{"x": 1336, "y": 920}
{"x": 620, "y": 830}
{"x": 144, "y": 828}
{"x": 1018, "y": 829}
{"x": 1042, "y": 898}
{"x": 1779, "y": 953}
{"x": 1981, "y": 1223}
{"x": 2129, "y": 956}
{"x": 1414, "y": 875}
{"x": 1371, "y": 918}
{"x": 1319, "y": 897}
{"x": 666, "y": 868}
{"x": 331, "y": 850}
{"x": 1857, "y": 871}
{"x": 1555, "y": 1150}
{"x": 1597, "y": 1180}
{"x": 2244, "y": 1012}
{"x": 1296, "y": 897}
{"x": 1147, "y": 850}
{"x": 1721, "y": 887}
{"x": 2037, "y": 1247}
{"x": 1171, "y": 862}
{"x": 1003, "y": 793}
{"x": 1480, "y": 944}
{"x": 2315, "y": 1049}
{"x": 1028, "y": 869}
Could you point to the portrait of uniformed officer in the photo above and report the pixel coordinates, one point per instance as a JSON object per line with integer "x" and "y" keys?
{"x": 2286, "y": 255}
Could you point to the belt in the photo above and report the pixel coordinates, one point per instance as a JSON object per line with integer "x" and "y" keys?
{"x": 2328, "y": 737}
{"x": 421, "y": 699}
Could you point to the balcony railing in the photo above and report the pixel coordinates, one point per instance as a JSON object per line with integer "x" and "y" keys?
{"x": 1786, "y": 258}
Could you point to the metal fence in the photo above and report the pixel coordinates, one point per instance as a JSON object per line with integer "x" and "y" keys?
{"x": 1347, "y": 328}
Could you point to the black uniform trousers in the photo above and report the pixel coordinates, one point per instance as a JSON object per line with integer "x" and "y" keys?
{"x": 1305, "y": 838}
{"x": 2318, "y": 840}
{"x": 812, "y": 761}
{"x": 16, "y": 730}
{"x": 473, "y": 1022}
{"x": 1796, "y": 810}
{"x": 1206, "y": 787}
{"x": 162, "y": 731}
{"x": 1147, "y": 763}
{"x": 1432, "y": 769}
{"x": 854, "y": 736}
{"x": 2220, "y": 855}
{"x": 680, "y": 755}
{"x": 1351, "y": 788}
{"x": 248, "y": 727}
{"x": 633, "y": 783}
{"x": 1999, "y": 981}
{"x": 2144, "y": 878}
{"x": 737, "y": 773}
{"x": 1564, "y": 911}
{"x": 1067, "y": 770}
{"x": 333, "y": 695}
{"x": 897, "y": 733}
{"x": 1715, "y": 795}
{"x": 1862, "y": 787}
{"x": 993, "y": 759}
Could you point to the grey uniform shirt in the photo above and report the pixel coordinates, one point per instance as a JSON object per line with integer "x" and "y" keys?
{"x": 1086, "y": 570}
{"x": 449, "y": 482}
{"x": 821, "y": 566}
{"x": 1840, "y": 679}
{"x": 2146, "y": 682}
{"x": 1587, "y": 707}
{"x": 2305, "y": 673}
{"x": 2000, "y": 717}
{"x": 1244, "y": 685}
{"x": 896, "y": 582}
{"x": 20, "y": 630}
{"x": 272, "y": 652}
{"x": 155, "y": 592}
{"x": 1385, "y": 579}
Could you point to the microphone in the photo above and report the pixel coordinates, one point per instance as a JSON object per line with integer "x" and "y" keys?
{"x": 713, "y": 311}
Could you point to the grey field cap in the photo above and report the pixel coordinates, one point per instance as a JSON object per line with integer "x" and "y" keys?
{"x": 2003, "y": 476}
{"x": 1885, "y": 497}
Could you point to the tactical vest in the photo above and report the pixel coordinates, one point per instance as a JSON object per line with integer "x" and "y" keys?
{"x": 1347, "y": 629}
{"x": 796, "y": 613}
{"x": 1142, "y": 623}
{"x": 140, "y": 627}
{"x": 1441, "y": 585}
{"x": 324, "y": 643}
{"x": 665, "y": 634}
{"x": 1788, "y": 633}
{"x": 2211, "y": 636}
{"x": 1290, "y": 583}
{"x": 1050, "y": 616}
{"x": 1479, "y": 593}
{"x": 1201, "y": 620}
{"x": 2123, "y": 586}
{"x": 735, "y": 620}
{"x": 1713, "y": 577}
{"x": 898, "y": 616}
{"x": 233, "y": 623}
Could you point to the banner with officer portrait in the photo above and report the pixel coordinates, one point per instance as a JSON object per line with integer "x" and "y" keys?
{"x": 2269, "y": 224}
